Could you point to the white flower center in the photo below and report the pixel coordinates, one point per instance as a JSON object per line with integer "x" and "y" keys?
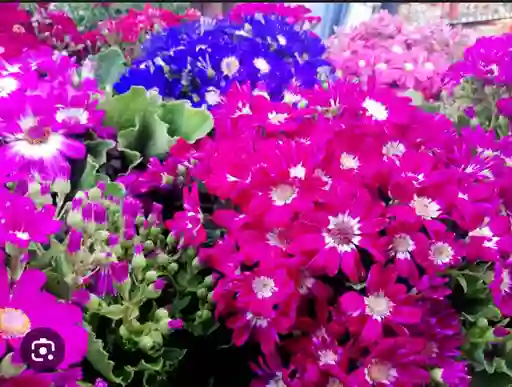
{"x": 429, "y": 66}
{"x": 264, "y": 287}
{"x": 72, "y": 115}
{"x": 505, "y": 282}
{"x": 397, "y": 49}
{"x": 8, "y": 85}
{"x": 361, "y": 63}
{"x": 212, "y": 96}
{"x": 277, "y": 118}
{"x": 425, "y": 207}
{"x": 281, "y": 39}
{"x": 378, "y": 306}
{"x": 327, "y": 356}
{"x": 283, "y": 194}
{"x": 380, "y": 372}
{"x": 298, "y": 171}
{"x": 230, "y": 66}
{"x": 393, "y": 148}
{"x": 402, "y": 246}
{"x": 22, "y": 235}
{"x": 342, "y": 233}
{"x": 348, "y": 161}
{"x": 262, "y": 65}
{"x": 375, "y": 109}
{"x": 441, "y": 252}
{"x": 277, "y": 381}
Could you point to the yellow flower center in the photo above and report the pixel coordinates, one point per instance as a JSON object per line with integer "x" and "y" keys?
{"x": 13, "y": 322}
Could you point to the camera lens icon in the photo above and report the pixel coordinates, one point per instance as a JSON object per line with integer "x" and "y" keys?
{"x": 42, "y": 349}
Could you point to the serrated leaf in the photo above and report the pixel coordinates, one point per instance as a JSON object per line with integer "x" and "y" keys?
{"x": 173, "y": 355}
{"x": 56, "y": 285}
{"x": 110, "y": 65}
{"x": 98, "y": 149}
{"x": 114, "y": 312}
{"x": 186, "y": 121}
{"x": 133, "y": 158}
{"x": 89, "y": 178}
{"x": 99, "y": 359}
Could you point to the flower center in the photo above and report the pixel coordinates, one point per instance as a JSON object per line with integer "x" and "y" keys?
{"x": 72, "y": 115}
{"x": 342, "y": 232}
{"x": 277, "y": 381}
{"x": 441, "y": 252}
{"x": 348, "y": 161}
{"x": 22, "y": 235}
{"x": 375, "y": 109}
{"x": 393, "y": 148}
{"x": 326, "y": 356}
{"x": 264, "y": 287}
{"x": 277, "y": 118}
{"x": 7, "y": 86}
{"x": 37, "y": 135}
{"x": 505, "y": 282}
{"x": 262, "y": 65}
{"x": 402, "y": 245}
{"x": 378, "y": 306}
{"x": 425, "y": 207}
{"x": 13, "y": 323}
{"x": 18, "y": 29}
{"x": 283, "y": 194}
{"x": 230, "y": 66}
{"x": 408, "y": 66}
{"x": 380, "y": 373}
{"x": 333, "y": 382}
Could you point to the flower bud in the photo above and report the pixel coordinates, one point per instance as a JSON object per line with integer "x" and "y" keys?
{"x": 124, "y": 332}
{"x": 154, "y": 232}
{"x": 202, "y": 293}
{"x": 170, "y": 240}
{"x": 163, "y": 259}
{"x": 196, "y": 264}
{"x": 75, "y": 220}
{"x": 94, "y": 194}
{"x": 61, "y": 186}
{"x": 151, "y": 276}
{"x": 208, "y": 281}
{"x": 34, "y": 188}
{"x": 161, "y": 314}
{"x": 139, "y": 262}
{"x": 149, "y": 246}
{"x": 482, "y": 323}
{"x": 173, "y": 268}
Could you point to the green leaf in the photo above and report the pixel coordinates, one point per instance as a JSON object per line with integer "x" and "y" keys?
{"x": 114, "y": 312}
{"x": 56, "y": 285}
{"x": 179, "y": 304}
{"x": 483, "y": 379}
{"x": 115, "y": 189}
{"x": 173, "y": 355}
{"x": 8, "y": 369}
{"x": 89, "y": 178}
{"x": 98, "y": 149}
{"x": 110, "y": 65}
{"x": 133, "y": 158}
{"x": 98, "y": 357}
{"x": 186, "y": 121}
{"x": 417, "y": 97}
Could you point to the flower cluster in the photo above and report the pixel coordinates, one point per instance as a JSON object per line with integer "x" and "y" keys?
{"x": 45, "y": 106}
{"x": 199, "y": 61}
{"x": 478, "y": 86}
{"x": 343, "y": 220}
{"x": 131, "y": 29}
{"x": 399, "y": 55}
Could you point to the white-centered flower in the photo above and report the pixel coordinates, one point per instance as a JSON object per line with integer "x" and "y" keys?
{"x": 298, "y": 171}
{"x": 327, "y": 356}
{"x": 14, "y": 323}
{"x": 230, "y": 66}
{"x": 393, "y": 149}
{"x": 212, "y": 96}
{"x": 375, "y": 109}
{"x": 342, "y": 233}
{"x": 277, "y": 118}
{"x": 505, "y": 282}
{"x": 72, "y": 115}
{"x": 408, "y": 66}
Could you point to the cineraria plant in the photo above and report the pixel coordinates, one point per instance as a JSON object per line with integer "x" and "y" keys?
{"x": 199, "y": 61}
{"x": 356, "y": 248}
{"x": 478, "y": 87}
{"x": 398, "y": 55}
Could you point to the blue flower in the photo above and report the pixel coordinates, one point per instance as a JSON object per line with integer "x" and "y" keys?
{"x": 199, "y": 61}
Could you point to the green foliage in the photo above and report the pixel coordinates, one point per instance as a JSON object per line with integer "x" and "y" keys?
{"x": 109, "y": 65}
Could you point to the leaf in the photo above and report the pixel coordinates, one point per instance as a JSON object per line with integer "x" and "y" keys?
{"x": 98, "y": 149}
{"x": 417, "y": 97}
{"x": 110, "y": 65}
{"x": 89, "y": 176}
{"x": 98, "y": 357}
{"x": 173, "y": 355}
{"x": 114, "y": 189}
{"x": 483, "y": 379}
{"x": 114, "y": 312}
{"x": 186, "y": 121}
{"x": 56, "y": 285}
{"x": 179, "y": 304}
{"x": 133, "y": 158}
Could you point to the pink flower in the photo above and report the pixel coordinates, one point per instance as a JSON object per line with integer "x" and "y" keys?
{"x": 385, "y": 302}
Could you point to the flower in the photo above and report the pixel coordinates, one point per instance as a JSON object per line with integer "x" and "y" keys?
{"x": 25, "y": 306}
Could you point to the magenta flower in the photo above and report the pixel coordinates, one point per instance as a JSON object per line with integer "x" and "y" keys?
{"x": 24, "y": 223}
{"x": 385, "y": 303}
{"x": 25, "y": 306}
